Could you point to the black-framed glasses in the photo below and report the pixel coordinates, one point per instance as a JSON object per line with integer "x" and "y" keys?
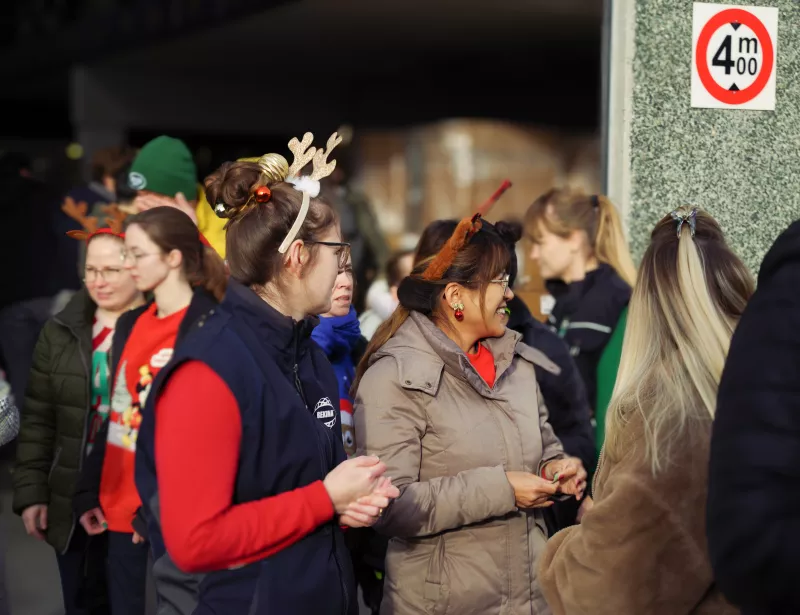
{"x": 342, "y": 250}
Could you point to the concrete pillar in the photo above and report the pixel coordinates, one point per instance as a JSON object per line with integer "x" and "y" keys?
{"x": 741, "y": 166}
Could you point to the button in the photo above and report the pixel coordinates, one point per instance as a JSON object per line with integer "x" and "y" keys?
{"x": 428, "y": 385}
{"x": 408, "y": 383}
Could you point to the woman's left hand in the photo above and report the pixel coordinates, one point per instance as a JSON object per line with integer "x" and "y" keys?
{"x": 366, "y": 511}
{"x": 571, "y": 475}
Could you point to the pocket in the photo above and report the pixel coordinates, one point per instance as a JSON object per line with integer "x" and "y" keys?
{"x": 437, "y": 590}
{"x": 54, "y": 464}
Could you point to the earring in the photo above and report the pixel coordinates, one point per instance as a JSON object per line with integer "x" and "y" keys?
{"x": 458, "y": 309}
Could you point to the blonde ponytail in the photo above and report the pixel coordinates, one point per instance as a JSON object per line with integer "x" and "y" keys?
{"x": 610, "y": 245}
{"x": 562, "y": 211}
{"x": 689, "y": 296}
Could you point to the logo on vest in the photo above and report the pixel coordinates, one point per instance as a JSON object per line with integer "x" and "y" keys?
{"x": 325, "y": 412}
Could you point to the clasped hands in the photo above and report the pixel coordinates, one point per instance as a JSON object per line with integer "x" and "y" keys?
{"x": 567, "y": 476}
{"x": 359, "y": 490}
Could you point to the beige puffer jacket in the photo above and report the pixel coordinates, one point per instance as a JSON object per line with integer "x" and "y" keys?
{"x": 459, "y": 543}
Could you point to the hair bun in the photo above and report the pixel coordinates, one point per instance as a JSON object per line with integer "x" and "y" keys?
{"x": 509, "y": 230}
{"x": 229, "y": 188}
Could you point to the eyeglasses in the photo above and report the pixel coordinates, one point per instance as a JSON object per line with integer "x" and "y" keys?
{"x": 126, "y": 256}
{"x": 342, "y": 250}
{"x": 107, "y": 274}
{"x": 503, "y": 281}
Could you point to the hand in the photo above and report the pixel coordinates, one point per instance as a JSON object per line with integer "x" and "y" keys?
{"x": 35, "y": 520}
{"x": 531, "y": 491}
{"x": 571, "y": 475}
{"x": 146, "y": 201}
{"x": 366, "y": 511}
{"x": 94, "y": 522}
{"x": 586, "y": 506}
{"x": 351, "y": 480}
{"x": 137, "y": 538}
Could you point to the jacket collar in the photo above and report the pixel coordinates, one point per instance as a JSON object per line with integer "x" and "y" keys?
{"x": 79, "y": 311}
{"x": 423, "y": 352}
{"x": 279, "y": 331}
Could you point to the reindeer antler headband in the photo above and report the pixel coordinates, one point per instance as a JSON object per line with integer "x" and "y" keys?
{"x": 460, "y": 237}
{"x": 275, "y": 168}
{"x": 78, "y": 211}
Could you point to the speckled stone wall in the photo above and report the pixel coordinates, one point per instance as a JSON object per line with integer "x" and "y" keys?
{"x": 741, "y": 166}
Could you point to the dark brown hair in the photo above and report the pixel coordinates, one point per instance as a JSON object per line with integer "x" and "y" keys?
{"x": 256, "y": 230}
{"x": 110, "y": 161}
{"x": 171, "y": 229}
{"x": 433, "y": 238}
{"x": 485, "y": 257}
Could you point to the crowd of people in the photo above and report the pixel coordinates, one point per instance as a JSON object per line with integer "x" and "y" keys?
{"x": 223, "y": 421}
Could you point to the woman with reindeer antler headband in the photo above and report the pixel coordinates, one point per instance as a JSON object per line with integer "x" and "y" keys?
{"x": 446, "y": 395}
{"x": 250, "y": 385}
{"x": 67, "y": 401}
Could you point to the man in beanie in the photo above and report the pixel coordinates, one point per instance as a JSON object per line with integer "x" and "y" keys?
{"x": 164, "y": 174}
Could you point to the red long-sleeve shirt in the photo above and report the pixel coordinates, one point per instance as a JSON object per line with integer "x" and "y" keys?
{"x": 198, "y": 435}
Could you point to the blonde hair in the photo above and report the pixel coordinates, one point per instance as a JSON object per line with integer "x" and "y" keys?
{"x": 563, "y": 211}
{"x": 688, "y": 298}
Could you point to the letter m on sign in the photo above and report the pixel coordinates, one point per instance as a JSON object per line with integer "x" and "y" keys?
{"x": 745, "y": 43}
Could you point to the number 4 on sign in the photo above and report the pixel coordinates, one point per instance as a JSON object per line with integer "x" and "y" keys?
{"x": 723, "y": 56}
{"x": 734, "y": 56}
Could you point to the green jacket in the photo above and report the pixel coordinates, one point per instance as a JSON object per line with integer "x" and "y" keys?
{"x": 53, "y": 431}
{"x": 607, "y": 376}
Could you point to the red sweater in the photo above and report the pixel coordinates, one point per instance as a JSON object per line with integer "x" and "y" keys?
{"x": 198, "y": 434}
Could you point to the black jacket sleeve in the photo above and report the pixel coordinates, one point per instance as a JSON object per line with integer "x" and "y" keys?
{"x": 754, "y": 476}
{"x": 36, "y": 440}
{"x": 564, "y": 395}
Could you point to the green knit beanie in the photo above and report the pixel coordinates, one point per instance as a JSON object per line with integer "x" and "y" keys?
{"x": 165, "y": 166}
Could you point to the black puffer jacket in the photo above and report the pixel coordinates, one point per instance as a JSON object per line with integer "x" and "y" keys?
{"x": 754, "y": 478}
{"x": 564, "y": 394}
{"x": 585, "y": 315}
{"x": 53, "y": 431}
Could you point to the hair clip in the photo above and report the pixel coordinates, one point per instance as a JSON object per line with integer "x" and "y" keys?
{"x": 681, "y": 216}
{"x": 595, "y": 202}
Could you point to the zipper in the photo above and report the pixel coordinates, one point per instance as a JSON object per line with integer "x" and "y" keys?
{"x": 597, "y": 470}
{"x": 296, "y": 369}
{"x": 299, "y": 386}
{"x": 88, "y": 371}
{"x": 54, "y": 464}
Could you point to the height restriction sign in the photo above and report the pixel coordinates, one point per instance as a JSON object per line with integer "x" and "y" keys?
{"x": 733, "y": 56}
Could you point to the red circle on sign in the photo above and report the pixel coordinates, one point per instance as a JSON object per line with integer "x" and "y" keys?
{"x": 715, "y": 23}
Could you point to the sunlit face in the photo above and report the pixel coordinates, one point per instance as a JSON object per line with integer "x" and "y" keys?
{"x": 144, "y": 259}
{"x": 491, "y": 321}
{"x": 342, "y": 297}
{"x": 321, "y": 277}
{"x": 555, "y": 255}
{"x": 109, "y": 284}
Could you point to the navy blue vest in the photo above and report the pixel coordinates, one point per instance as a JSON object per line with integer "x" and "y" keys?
{"x": 291, "y": 437}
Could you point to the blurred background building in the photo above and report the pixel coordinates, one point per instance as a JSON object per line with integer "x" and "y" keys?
{"x": 439, "y": 100}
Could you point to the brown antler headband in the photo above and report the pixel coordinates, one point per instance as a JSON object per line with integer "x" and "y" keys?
{"x": 461, "y": 236}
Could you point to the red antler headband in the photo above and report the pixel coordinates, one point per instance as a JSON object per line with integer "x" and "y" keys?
{"x": 461, "y": 236}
